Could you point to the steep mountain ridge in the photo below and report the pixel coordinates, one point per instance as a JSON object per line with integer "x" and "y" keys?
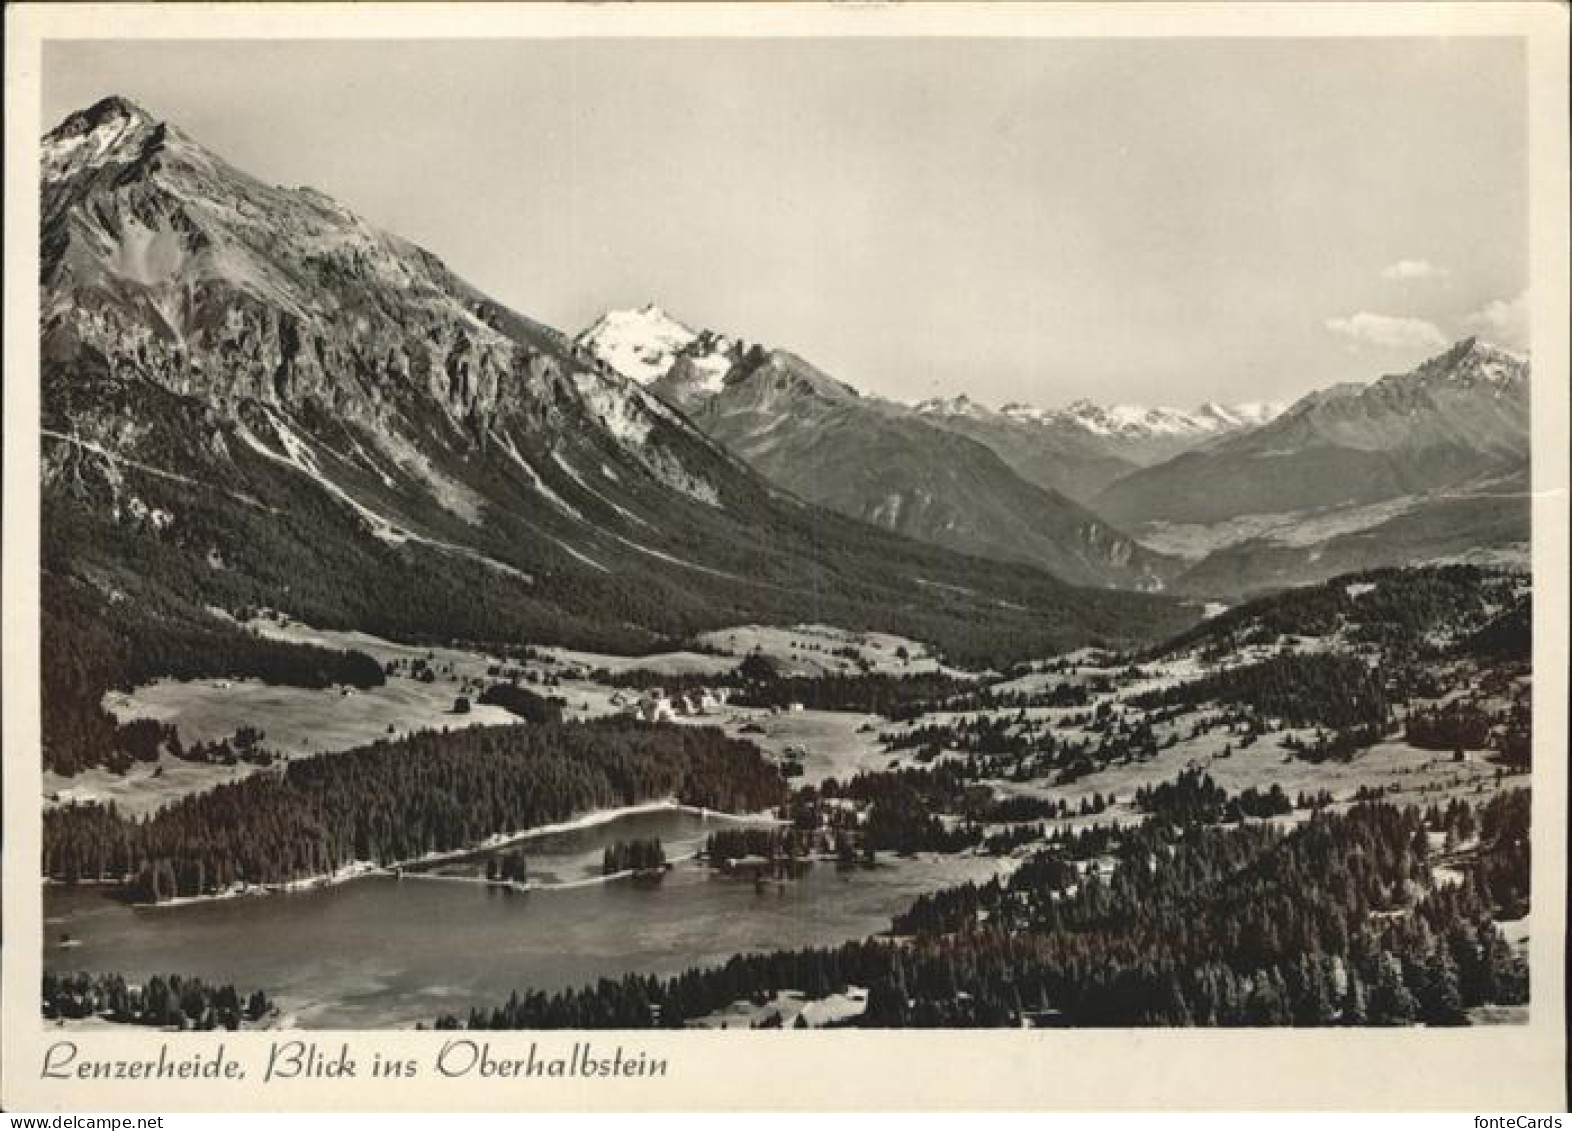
{"x": 1425, "y": 466}
{"x": 1076, "y": 450}
{"x": 1457, "y": 417}
{"x": 863, "y": 456}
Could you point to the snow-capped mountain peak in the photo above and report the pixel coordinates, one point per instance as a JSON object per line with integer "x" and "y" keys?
{"x": 1120, "y": 420}
{"x": 959, "y": 405}
{"x": 641, "y": 344}
{"x": 1019, "y": 410}
{"x": 1138, "y": 420}
{"x": 107, "y": 130}
{"x": 1470, "y": 368}
{"x": 1246, "y": 414}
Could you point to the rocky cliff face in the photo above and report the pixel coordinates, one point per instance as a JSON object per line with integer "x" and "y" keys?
{"x": 175, "y": 268}
{"x": 169, "y": 262}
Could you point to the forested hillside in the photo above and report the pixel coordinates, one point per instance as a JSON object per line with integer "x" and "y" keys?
{"x": 1415, "y": 610}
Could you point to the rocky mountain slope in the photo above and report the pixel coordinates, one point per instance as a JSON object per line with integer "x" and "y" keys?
{"x": 865, "y": 457}
{"x": 1421, "y": 466}
{"x": 1461, "y": 415}
{"x": 252, "y": 397}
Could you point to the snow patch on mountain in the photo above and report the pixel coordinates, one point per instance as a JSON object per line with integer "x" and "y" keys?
{"x": 299, "y": 455}
{"x": 629, "y": 414}
{"x": 642, "y": 344}
{"x": 1123, "y": 420}
{"x": 573, "y": 473}
{"x": 578, "y": 554}
{"x": 711, "y": 370}
{"x": 669, "y": 470}
{"x": 672, "y": 558}
{"x": 962, "y": 405}
{"x": 1472, "y": 362}
{"x": 1245, "y": 414}
{"x": 569, "y": 470}
{"x": 90, "y": 139}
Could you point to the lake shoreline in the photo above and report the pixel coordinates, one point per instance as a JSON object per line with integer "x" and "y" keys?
{"x": 360, "y": 869}
{"x": 409, "y": 952}
{"x": 538, "y": 885}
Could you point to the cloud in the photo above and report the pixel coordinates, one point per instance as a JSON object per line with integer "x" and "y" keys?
{"x": 1406, "y": 270}
{"x": 1387, "y": 331}
{"x": 1503, "y": 321}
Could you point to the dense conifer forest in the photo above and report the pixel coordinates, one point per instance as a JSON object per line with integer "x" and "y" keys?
{"x": 94, "y": 647}
{"x": 644, "y": 855}
{"x": 1396, "y": 608}
{"x": 524, "y": 703}
{"x": 1315, "y": 689}
{"x": 400, "y": 800}
{"x": 1509, "y": 637}
{"x": 758, "y": 682}
{"x": 894, "y": 695}
{"x": 1194, "y": 798}
{"x": 507, "y": 867}
{"x": 723, "y": 846}
{"x": 171, "y": 1002}
{"x": 1457, "y": 726}
{"x": 1335, "y": 921}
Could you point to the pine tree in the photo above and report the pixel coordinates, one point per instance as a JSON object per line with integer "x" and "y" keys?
{"x": 1391, "y": 1002}
{"x": 1441, "y": 1000}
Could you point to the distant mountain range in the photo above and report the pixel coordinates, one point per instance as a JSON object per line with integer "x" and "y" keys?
{"x": 1428, "y": 465}
{"x": 251, "y": 397}
{"x": 1459, "y": 416}
{"x": 871, "y": 459}
{"x": 1076, "y": 450}
{"x": 1082, "y": 448}
{"x": 1421, "y": 466}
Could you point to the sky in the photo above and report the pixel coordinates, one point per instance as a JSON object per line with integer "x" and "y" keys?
{"x": 1138, "y": 221}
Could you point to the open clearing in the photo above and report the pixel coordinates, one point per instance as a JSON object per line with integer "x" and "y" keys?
{"x": 834, "y": 743}
{"x": 817, "y": 649}
{"x": 662, "y": 663}
{"x": 1413, "y": 776}
{"x": 785, "y": 1008}
{"x": 296, "y": 720}
{"x": 143, "y": 788}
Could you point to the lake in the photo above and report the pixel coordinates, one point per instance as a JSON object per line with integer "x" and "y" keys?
{"x": 388, "y": 952}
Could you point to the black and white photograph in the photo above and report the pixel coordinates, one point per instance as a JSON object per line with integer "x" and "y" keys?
{"x": 809, "y": 533}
